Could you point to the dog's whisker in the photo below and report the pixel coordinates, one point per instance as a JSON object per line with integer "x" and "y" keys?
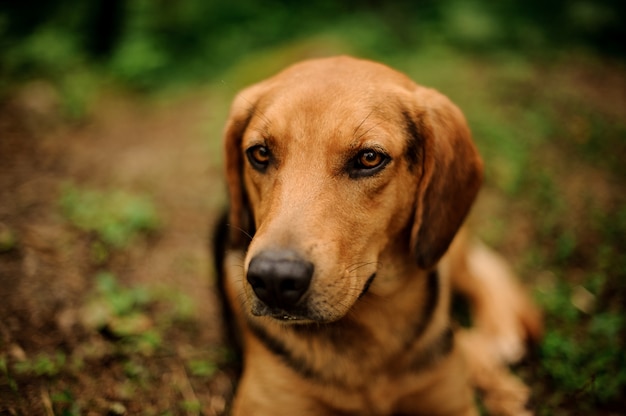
{"x": 255, "y": 110}
{"x": 244, "y": 232}
{"x": 253, "y": 107}
{"x": 363, "y": 121}
{"x": 370, "y": 129}
{"x": 353, "y": 268}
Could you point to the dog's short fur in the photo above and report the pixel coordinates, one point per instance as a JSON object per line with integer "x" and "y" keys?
{"x": 348, "y": 185}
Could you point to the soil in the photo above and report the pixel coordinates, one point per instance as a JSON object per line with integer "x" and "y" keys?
{"x": 47, "y": 270}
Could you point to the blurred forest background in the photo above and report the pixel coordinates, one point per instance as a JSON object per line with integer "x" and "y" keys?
{"x": 110, "y": 180}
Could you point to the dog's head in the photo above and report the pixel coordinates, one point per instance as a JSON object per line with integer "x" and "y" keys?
{"x": 334, "y": 167}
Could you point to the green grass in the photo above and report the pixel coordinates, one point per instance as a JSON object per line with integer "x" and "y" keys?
{"x": 122, "y": 314}
{"x": 116, "y": 218}
{"x": 121, "y": 317}
{"x": 202, "y": 367}
{"x": 42, "y": 365}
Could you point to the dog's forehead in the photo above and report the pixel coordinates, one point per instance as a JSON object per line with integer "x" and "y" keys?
{"x": 343, "y": 69}
{"x": 337, "y": 83}
{"x": 327, "y": 119}
{"x": 332, "y": 106}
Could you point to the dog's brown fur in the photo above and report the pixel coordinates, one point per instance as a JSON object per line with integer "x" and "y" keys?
{"x": 372, "y": 335}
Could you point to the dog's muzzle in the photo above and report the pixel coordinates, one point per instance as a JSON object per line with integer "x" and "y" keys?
{"x": 279, "y": 279}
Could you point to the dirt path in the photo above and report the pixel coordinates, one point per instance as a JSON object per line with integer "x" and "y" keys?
{"x": 46, "y": 272}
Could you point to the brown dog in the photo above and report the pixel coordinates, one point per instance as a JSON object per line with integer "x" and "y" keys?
{"x": 348, "y": 184}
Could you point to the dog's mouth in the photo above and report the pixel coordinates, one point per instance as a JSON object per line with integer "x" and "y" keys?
{"x": 286, "y": 317}
{"x": 280, "y": 314}
{"x": 300, "y": 314}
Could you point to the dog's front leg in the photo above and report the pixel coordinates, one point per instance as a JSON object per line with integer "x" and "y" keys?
{"x": 444, "y": 390}
{"x": 269, "y": 388}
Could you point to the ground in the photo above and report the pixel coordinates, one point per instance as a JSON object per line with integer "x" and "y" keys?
{"x": 48, "y": 273}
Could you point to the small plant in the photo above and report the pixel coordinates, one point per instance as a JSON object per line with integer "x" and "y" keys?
{"x": 4, "y": 370}
{"x": 590, "y": 364}
{"x": 120, "y": 313}
{"x": 581, "y": 355}
{"x": 202, "y": 367}
{"x": 8, "y": 239}
{"x": 65, "y": 403}
{"x": 116, "y": 218}
{"x": 42, "y": 365}
{"x": 191, "y": 406}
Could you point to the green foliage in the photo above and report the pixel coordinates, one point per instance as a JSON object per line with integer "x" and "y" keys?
{"x": 202, "y": 367}
{"x": 589, "y": 363}
{"x": 192, "y": 406}
{"x": 8, "y": 239}
{"x": 42, "y": 365}
{"x": 50, "y": 49}
{"x": 582, "y": 355}
{"x": 121, "y": 317}
{"x": 116, "y": 218}
{"x": 121, "y": 312}
{"x": 4, "y": 370}
{"x": 77, "y": 90}
{"x": 123, "y": 301}
{"x": 147, "y": 44}
{"x": 65, "y": 403}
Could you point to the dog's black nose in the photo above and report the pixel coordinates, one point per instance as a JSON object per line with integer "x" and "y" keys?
{"x": 279, "y": 278}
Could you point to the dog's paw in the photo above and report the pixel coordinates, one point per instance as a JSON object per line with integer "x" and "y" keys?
{"x": 504, "y": 314}
{"x": 502, "y": 392}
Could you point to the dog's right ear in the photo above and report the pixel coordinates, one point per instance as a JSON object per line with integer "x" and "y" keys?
{"x": 451, "y": 175}
{"x": 240, "y": 221}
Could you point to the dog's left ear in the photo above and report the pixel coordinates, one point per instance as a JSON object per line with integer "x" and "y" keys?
{"x": 450, "y": 178}
{"x": 241, "y": 224}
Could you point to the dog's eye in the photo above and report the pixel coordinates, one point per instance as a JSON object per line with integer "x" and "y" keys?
{"x": 369, "y": 159}
{"x": 259, "y": 157}
{"x": 367, "y": 163}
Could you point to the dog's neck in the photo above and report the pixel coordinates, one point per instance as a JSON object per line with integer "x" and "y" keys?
{"x": 398, "y": 339}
